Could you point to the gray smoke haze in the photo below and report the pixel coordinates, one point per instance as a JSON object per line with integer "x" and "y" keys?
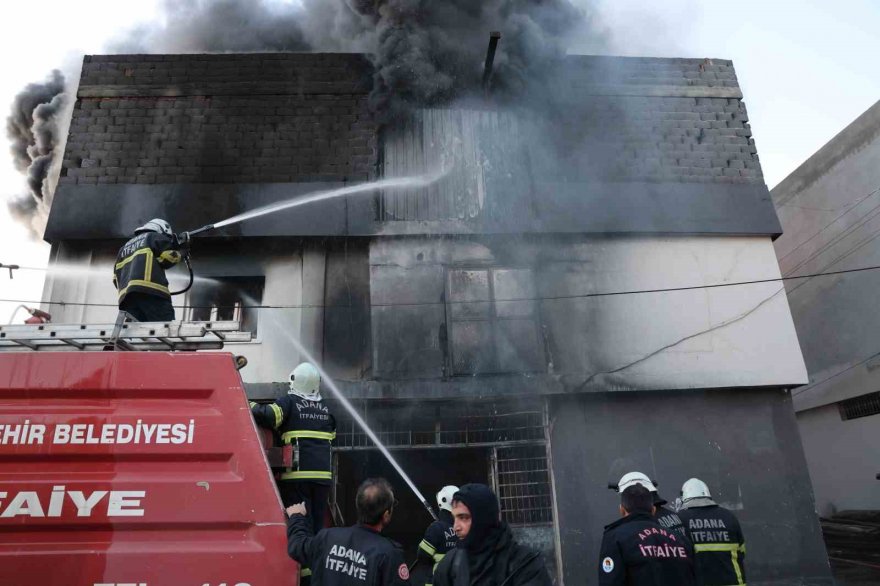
{"x": 34, "y": 128}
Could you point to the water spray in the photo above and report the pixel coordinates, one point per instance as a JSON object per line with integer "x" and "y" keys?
{"x": 363, "y": 424}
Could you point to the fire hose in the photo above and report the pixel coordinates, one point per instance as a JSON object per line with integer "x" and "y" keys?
{"x": 183, "y": 240}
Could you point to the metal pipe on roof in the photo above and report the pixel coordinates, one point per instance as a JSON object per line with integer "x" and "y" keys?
{"x": 494, "y": 36}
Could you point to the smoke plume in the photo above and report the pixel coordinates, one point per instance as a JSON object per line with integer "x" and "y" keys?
{"x": 425, "y": 52}
{"x": 33, "y": 127}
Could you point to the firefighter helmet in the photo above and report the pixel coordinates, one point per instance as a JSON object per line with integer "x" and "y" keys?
{"x": 156, "y": 225}
{"x": 444, "y": 497}
{"x": 694, "y": 489}
{"x": 633, "y": 478}
{"x": 305, "y": 382}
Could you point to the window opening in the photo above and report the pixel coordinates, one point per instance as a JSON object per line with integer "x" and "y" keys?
{"x": 857, "y": 407}
{"x": 493, "y": 321}
{"x": 227, "y": 299}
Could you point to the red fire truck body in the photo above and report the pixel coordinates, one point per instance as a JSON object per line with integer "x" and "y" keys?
{"x": 136, "y": 468}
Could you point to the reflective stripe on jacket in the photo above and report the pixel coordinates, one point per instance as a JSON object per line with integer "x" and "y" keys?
{"x": 307, "y": 424}
{"x": 141, "y": 263}
{"x": 719, "y": 543}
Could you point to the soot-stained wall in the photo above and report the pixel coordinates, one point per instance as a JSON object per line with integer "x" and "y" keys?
{"x": 743, "y": 443}
{"x": 453, "y": 307}
{"x": 620, "y": 145}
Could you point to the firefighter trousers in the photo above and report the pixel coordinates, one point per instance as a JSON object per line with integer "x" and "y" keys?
{"x": 312, "y": 493}
{"x": 146, "y": 307}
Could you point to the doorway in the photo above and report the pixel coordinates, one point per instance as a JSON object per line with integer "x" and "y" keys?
{"x": 430, "y": 470}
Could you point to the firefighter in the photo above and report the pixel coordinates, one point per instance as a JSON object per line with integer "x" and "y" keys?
{"x": 637, "y": 551}
{"x": 665, "y": 516}
{"x": 349, "y": 556}
{"x": 306, "y": 427}
{"x": 139, "y": 274}
{"x": 487, "y": 554}
{"x": 440, "y": 536}
{"x": 716, "y": 535}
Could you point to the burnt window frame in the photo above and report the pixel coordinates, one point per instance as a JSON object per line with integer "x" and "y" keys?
{"x": 492, "y": 320}
{"x": 190, "y": 307}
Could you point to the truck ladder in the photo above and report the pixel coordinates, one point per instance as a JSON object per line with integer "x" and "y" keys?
{"x": 123, "y": 335}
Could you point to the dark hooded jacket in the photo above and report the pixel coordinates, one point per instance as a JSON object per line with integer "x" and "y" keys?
{"x": 489, "y": 556}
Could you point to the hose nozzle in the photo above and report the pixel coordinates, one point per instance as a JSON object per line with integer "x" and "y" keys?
{"x": 430, "y": 510}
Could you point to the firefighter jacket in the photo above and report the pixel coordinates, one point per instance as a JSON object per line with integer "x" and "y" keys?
{"x": 719, "y": 543}
{"x": 306, "y": 425}
{"x": 141, "y": 263}
{"x": 669, "y": 520}
{"x": 636, "y": 551}
{"x": 346, "y": 556}
{"x": 439, "y": 539}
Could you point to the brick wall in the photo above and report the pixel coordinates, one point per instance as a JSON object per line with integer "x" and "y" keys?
{"x": 221, "y": 119}
{"x": 689, "y": 139}
{"x": 288, "y": 117}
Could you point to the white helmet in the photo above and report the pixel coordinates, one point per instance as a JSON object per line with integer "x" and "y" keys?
{"x": 444, "y": 497}
{"x": 305, "y": 382}
{"x": 156, "y": 225}
{"x": 633, "y": 478}
{"x": 694, "y": 489}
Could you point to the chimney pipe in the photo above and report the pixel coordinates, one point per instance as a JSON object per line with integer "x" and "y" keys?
{"x": 490, "y": 58}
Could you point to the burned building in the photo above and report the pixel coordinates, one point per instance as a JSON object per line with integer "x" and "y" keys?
{"x": 536, "y": 318}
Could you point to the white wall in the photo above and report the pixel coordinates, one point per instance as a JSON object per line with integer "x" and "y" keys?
{"x": 86, "y": 277}
{"x": 702, "y": 338}
{"x": 843, "y": 458}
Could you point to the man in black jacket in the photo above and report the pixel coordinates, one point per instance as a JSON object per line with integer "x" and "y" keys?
{"x": 487, "y": 554}
{"x": 307, "y": 429}
{"x": 716, "y": 534}
{"x": 350, "y": 556}
{"x": 139, "y": 273}
{"x": 636, "y": 551}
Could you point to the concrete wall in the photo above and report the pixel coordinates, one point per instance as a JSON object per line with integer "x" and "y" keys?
{"x": 843, "y": 457}
{"x": 829, "y": 211}
{"x": 744, "y": 444}
{"x": 723, "y": 337}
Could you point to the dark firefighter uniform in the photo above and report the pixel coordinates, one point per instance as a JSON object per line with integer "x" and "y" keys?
{"x": 139, "y": 276}
{"x": 308, "y": 427}
{"x": 439, "y": 539}
{"x": 667, "y": 518}
{"x": 346, "y": 556}
{"x": 719, "y": 543}
{"x": 636, "y": 551}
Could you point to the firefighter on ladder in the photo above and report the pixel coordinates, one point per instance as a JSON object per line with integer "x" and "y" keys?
{"x": 139, "y": 273}
{"x": 306, "y": 427}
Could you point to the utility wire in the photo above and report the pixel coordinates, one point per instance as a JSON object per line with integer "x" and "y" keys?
{"x": 510, "y": 300}
{"x": 829, "y": 224}
{"x": 811, "y": 386}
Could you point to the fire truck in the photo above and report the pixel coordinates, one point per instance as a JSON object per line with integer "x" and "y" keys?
{"x": 126, "y": 458}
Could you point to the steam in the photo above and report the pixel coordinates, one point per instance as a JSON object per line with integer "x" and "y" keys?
{"x": 34, "y": 128}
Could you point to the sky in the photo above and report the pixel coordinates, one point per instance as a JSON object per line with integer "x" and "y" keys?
{"x": 807, "y": 68}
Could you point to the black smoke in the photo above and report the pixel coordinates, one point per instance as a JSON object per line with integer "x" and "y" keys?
{"x": 33, "y": 127}
{"x": 425, "y": 52}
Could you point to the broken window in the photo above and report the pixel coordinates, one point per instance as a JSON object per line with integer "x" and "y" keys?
{"x": 493, "y": 321}
{"x": 227, "y": 299}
